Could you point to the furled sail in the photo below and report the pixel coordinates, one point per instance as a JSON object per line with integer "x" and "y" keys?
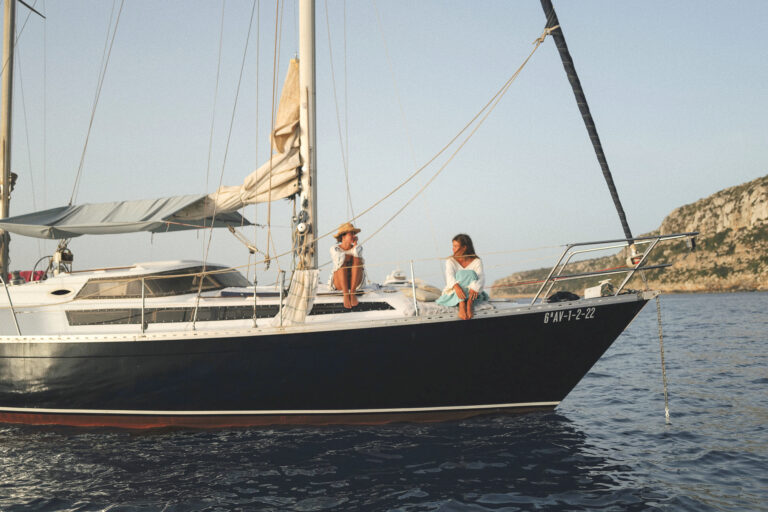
{"x": 278, "y": 178}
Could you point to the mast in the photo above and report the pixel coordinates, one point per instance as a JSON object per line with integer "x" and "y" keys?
{"x": 586, "y": 115}
{"x": 9, "y": 31}
{"x": 306, "y": 224}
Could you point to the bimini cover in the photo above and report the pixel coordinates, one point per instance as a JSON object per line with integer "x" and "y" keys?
{"x": 155, "y": 215}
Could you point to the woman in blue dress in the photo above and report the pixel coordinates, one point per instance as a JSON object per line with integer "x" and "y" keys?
{"x": 464, "y": 278}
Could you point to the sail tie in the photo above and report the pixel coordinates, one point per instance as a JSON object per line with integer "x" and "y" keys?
{"x": 547, "y": 32}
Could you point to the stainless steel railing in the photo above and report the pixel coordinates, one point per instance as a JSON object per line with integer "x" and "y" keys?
{"x": 571, "y": 250}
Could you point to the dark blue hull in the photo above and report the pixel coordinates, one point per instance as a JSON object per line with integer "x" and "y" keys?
{"x": 429, "y": 370}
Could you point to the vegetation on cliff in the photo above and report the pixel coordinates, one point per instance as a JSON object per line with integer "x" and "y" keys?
{"x": 731, "y": 252}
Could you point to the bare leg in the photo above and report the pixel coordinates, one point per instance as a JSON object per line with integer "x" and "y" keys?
{"x": 469, "y": 308}
{"x": 463, "y": 310}
{"x": 355, "y": 279}
{"x": 341, "y": 282}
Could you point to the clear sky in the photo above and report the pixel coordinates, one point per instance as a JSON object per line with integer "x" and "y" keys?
{"x": 677, "y": 90}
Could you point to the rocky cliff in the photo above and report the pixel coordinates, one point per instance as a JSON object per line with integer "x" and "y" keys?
{"x": 731, "y": 251}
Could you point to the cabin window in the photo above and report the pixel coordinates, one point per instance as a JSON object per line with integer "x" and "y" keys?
{"x": 167, "y": 315}
{"x": 204, "y": 314}
{"x": 162, "y": 284}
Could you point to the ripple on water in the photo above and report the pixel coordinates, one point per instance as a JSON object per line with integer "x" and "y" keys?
{"x": 607, "y": 447}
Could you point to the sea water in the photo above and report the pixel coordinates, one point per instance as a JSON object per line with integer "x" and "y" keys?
{"x": 607, "y": 447}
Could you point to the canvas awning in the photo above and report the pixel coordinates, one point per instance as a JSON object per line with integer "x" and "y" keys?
{"x": 154, "y": 215}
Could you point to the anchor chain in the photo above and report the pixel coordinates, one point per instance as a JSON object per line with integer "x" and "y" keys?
{"x": 663, "y": 365}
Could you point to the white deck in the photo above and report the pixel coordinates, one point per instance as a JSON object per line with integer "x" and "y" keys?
{"x": 41, "y": 309}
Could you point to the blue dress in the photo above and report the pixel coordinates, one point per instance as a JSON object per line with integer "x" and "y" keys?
{"x": 464, "y": 278}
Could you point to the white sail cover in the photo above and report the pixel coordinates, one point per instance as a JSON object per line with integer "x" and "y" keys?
{"x": 278, "y": 178}
{"x": 155, "y": 215}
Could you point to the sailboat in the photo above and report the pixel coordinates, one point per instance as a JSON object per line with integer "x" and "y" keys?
{"x": 189, "y": 344}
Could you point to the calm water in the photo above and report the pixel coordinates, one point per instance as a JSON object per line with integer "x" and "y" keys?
{"x": 606, "y": 448}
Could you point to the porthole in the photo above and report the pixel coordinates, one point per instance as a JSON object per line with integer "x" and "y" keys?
{"x": 61, "y": 292}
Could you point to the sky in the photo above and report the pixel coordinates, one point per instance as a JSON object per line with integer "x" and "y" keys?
{"x": 677, "y": 91}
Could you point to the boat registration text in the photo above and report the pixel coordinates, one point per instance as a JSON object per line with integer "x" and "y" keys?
{"x": 567, "y": 316}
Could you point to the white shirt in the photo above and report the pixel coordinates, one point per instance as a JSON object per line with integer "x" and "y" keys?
{"x": 338, "y": 255}
{"x": 452, "y": 266}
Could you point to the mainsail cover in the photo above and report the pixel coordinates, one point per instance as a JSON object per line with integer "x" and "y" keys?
{"x": 155, "y": 215}
{"x": 278, "y": 178}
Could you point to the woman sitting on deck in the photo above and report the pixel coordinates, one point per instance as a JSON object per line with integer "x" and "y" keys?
{"x": 347, "y": 259}
{"x": 464, "y": 277}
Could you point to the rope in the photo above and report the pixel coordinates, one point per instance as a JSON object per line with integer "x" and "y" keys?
{"x": 494, "y": 102}
{"x": 102, "y": 76}
{"x": 547, "y": 32}
{"x": 491, "y": 103}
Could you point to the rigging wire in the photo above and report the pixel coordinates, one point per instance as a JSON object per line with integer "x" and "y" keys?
{"x": 26, "y": 134}
{"x": 215, "y": 104}
{"x": 215, "y": 94}
{"x": 350, "y": 208}
{"x": 256, "y": 141}
{"x": 96, "y": 101}
{"x": 226, "y": 153}
{"x": 18, "y": 35}
{"x": 45, "y": 112}
{"x": 346, "y": 91}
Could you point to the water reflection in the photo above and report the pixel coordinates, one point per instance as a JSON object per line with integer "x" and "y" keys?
{"x": 608, "y": 446}
{"x": 506, "y": 461}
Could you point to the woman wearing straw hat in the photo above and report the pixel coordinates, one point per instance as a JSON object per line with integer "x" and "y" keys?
{"x": 464, "y": 278}
{"x": 347, "y": 258}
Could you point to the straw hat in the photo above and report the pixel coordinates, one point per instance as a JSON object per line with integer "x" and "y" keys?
{"x": 345, "y": 228}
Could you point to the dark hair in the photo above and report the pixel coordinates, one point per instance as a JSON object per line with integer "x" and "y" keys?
{"x": 465, "y": 241}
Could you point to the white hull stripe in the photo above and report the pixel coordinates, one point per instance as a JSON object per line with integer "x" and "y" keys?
{"x": 29, "y": 410}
